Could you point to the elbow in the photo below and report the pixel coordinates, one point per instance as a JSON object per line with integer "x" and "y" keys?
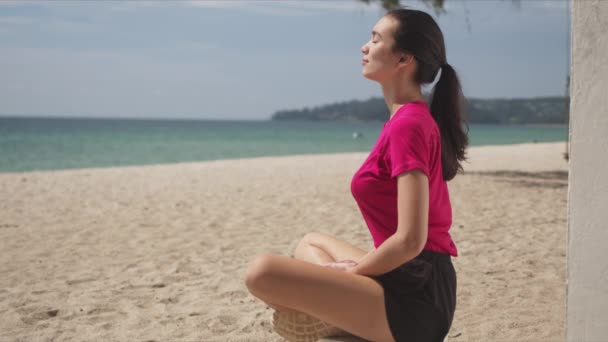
{"x": 414, "y": 242}
{"x": 416, "y": 246}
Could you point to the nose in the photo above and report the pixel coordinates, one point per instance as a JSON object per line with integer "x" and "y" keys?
{"x": 364, "y": 48}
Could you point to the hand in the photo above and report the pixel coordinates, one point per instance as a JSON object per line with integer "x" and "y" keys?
{"x": 343, "y": 265}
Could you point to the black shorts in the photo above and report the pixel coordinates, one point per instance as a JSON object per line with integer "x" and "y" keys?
{"x": 420, "y": 297}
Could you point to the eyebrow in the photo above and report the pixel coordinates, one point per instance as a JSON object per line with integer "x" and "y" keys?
{"x": 374, "y": 32}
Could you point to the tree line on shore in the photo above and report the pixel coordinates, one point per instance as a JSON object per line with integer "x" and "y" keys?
{"x": 539, "y": 110}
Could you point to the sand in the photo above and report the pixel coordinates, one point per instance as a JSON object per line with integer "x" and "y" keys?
{"x": 158, "y": 253}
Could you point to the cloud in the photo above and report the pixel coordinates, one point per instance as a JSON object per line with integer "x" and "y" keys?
{"x": 263, "y": 7}
{"x": 286, "y": 8}
{"x": 343, "y": 5}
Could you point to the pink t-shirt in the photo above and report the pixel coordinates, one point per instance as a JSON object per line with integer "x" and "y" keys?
{"x": 409, "y": 140}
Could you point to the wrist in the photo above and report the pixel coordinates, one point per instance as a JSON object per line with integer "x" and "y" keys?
{"x": 353, "y": 270}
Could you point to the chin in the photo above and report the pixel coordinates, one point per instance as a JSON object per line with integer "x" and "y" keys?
{"x": 369, "y": 76}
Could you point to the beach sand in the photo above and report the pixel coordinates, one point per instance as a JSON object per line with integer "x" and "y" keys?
{"x": 159, "y": 253}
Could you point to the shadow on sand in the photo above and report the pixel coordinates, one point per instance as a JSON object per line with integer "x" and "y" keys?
{"x": 544, "y": 179}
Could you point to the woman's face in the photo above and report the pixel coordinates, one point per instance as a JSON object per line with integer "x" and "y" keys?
{"x": 379, "y": 61}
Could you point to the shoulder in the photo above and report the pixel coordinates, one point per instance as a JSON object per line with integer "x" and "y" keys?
{"x": 407, "y": 121}
{"x": 412, "y": 123}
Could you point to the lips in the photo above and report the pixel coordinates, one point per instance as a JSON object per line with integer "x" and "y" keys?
{"x": 364, "y": 61}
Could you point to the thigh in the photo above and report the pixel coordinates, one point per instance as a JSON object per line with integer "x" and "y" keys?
{"x": 349, "y": 301}
{"x": 337, "y": 249}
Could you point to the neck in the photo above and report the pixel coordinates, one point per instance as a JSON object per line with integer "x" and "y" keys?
{"x": 397, "y": 92}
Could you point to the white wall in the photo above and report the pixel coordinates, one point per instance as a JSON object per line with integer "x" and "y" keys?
{"x": 587, "y": 296}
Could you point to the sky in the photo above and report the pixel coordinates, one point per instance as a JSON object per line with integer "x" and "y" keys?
{"x": 246, "y": 59}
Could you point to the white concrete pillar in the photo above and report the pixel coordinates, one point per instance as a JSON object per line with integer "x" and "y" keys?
{"x": 587, "y": 292}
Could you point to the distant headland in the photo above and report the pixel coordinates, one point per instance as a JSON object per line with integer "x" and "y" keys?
{"x": 516, "y": 111}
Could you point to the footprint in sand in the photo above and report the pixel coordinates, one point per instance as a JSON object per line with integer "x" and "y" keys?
{"x": 97, "y": 311}
{"x": 103, "y": 315}
{"x": 169, "y": 300}
{"x": 221, "y": 323}
{"x": 37, "y": 316}
{"x": 79, "y": 281}
{"x": 238, "y": 294}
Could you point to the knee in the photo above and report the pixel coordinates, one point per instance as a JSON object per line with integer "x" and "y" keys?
{"x": 257, "y": 270}
{"x": 311, "y": 238}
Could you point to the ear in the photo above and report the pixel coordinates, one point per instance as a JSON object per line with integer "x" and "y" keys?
{"x": 406, "y": 58}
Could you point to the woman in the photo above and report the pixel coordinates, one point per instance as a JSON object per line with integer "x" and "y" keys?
{"x": 404, "y": 289}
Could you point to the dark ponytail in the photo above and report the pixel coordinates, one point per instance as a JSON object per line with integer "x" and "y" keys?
{"x": 447, "y": 106}
{"x": 418, "y": 33}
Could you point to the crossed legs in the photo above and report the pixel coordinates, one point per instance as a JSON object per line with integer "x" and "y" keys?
{"x": 351, "y": 302}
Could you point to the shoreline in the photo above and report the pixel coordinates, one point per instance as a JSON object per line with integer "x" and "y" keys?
{"x": 94, "y": 168}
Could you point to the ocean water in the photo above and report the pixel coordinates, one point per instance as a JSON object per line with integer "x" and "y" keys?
{"x": 28, "y": 144}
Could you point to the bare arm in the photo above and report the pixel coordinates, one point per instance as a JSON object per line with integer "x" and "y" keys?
{"x": 412, "y": 227}
{"x": 366, "y": 255}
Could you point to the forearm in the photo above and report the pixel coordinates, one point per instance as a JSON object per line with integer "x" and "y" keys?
{"x": 393, "y": 252}
{"x": 366, "y": 255}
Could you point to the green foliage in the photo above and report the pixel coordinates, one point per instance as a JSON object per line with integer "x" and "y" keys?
{"x": 437, "y": 5}
{"x": 540, "y": 110}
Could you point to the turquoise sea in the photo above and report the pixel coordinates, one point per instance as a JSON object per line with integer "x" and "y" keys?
{"x": 28, "y": 144}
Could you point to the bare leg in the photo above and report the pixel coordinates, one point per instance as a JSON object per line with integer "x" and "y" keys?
{"x": 309, "y": 250}
{"x": 318, "y": 248}
{"x": 342, "y": 300}
{"x": 312, "y": 254}
{"x": 306, "y": 252}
